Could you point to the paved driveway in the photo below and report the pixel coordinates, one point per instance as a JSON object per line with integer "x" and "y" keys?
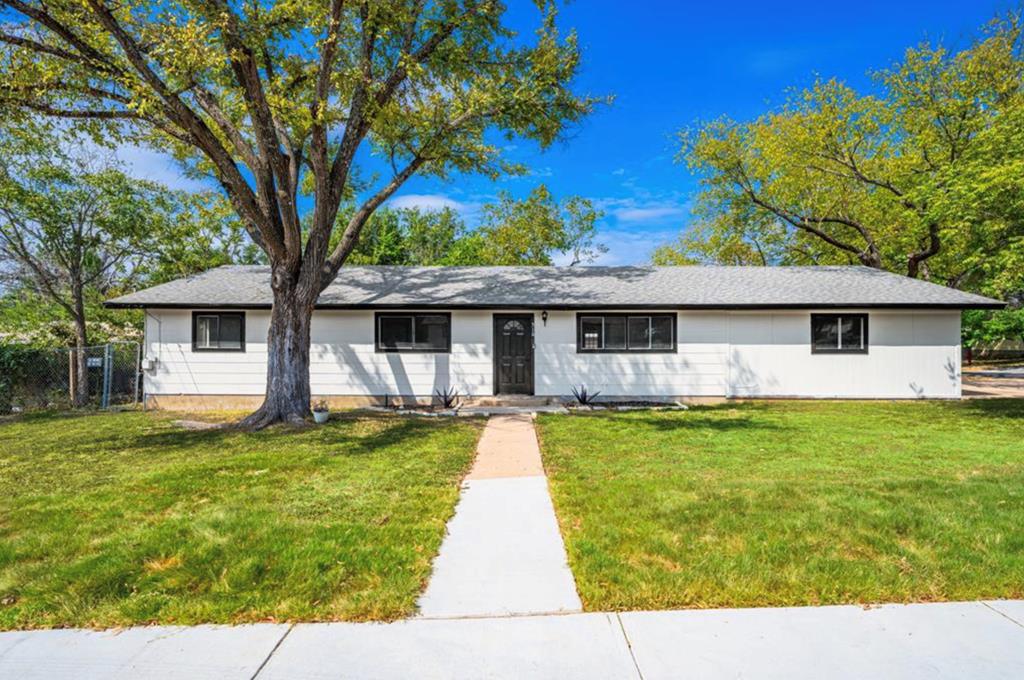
{"x": 1003, "y": 381}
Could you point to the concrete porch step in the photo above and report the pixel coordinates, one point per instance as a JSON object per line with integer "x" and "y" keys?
{"x": 512, "y": 400}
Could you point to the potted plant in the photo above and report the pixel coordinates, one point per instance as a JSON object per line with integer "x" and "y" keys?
{"x": 321, "y": 412}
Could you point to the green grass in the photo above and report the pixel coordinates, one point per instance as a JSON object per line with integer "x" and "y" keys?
{"x": 791, "y": 503}
{"x": 118, "y": 519}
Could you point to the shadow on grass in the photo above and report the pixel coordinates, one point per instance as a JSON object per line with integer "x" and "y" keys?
{"x": 719, "y": 417}
{"x": 1012, "y": 409}
{"x": 342, "y": 436}
{"x": 49, "y": 415}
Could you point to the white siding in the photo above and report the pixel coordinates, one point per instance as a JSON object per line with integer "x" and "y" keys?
{"x": 697, "y": 369}
{"x": 342, "y": 358}
{"x": 911, "y": 354}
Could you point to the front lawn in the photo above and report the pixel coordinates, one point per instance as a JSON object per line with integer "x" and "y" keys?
{"x": 118, "y": 519}
{"x": 791, "y": 503}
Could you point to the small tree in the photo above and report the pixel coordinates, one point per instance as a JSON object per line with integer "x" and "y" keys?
{"x": 280, "y": 99}
{"x": 71, "y": 226}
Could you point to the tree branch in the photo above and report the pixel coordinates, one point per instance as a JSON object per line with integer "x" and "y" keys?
{"x": 355, "y": 224}
{"x": 916, "y": 259}
{"x": 235, "y": 185}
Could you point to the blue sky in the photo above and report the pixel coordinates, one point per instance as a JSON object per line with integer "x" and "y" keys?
{"x": 670, "y": 64}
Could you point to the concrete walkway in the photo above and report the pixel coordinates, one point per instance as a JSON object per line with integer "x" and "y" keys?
{"x": 503, "y": 554}
{"x": 896, "y": 642}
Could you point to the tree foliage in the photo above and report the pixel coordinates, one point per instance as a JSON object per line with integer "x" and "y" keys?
{"x": 531, "y": 231}
{"x": 280, "y": 99}
{"x": 75, "y": 229}
{"x": 921, "y": 176}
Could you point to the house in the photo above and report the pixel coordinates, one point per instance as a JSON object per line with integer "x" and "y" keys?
{"x": 394, "y": 333}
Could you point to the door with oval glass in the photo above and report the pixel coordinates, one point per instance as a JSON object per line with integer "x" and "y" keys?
{"x": 513, "y": 354}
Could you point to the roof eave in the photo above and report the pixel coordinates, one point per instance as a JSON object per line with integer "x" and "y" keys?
{"x": 113, "y": 304}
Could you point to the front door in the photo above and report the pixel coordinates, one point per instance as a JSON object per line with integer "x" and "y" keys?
{"x": 513, "y": 354}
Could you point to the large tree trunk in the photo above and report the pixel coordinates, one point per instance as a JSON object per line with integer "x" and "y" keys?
{"x": 81, "y": 396}
{"x": 287, "y": 395}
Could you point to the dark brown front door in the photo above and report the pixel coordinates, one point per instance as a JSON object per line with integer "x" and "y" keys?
{"x": 513, "y": 354}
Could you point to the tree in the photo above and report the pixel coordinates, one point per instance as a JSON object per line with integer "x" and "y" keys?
{"x": 72, "y": 225}
{"x": 531, "y": 231}
{"x": 921, "y": 177}
{"x": 280, "y": 99}
{"x": 204, "y": 233}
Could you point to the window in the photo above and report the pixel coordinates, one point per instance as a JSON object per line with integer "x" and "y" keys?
{"x": 839, "y": 333}
{"x": 414, "y": 332}
{"x": 218, "y": 331}
{"x": 625, "y": 332}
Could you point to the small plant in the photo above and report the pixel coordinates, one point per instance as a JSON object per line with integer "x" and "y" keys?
{"x": 321, "y": 412}
{"x": 449, "y": 397}
{"x": 583, "y": 397}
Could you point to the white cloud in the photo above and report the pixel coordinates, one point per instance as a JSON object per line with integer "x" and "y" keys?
{"x": 156, "y": 166}
{"x": 644, "y": 208}
{"x": 629, "y": 246}
{"x": 428, "y": 202}
{"x": 648, "y": 214}
{"x": 618, "y": 172}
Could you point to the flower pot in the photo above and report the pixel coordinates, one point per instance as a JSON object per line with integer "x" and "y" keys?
{"x": 321, "y": 416}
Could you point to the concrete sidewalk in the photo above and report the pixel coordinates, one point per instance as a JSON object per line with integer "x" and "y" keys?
{"x": 901, "y": 642}
{"x": 503, "y": 553}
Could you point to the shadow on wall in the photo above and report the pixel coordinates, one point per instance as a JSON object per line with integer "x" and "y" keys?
{"x": 403, "y": 385}
{"x": 952, "y": 372}
{"x": 349, "y": 362}
{"x": 387, "y": 377}
{"x": 743, "y": 380}
{"x": 442, "y": 373}
{"x": 560, "y": 368}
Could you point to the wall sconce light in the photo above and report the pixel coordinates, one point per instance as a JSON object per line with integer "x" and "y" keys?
{"x": 544, "y": 317}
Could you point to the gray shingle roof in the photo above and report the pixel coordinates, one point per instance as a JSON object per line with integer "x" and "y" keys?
{"x": 567, "y": 287}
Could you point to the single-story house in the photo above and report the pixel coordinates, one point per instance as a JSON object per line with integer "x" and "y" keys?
{"x": 392, "y": 334}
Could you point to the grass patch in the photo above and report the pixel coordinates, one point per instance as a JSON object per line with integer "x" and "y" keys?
{"x": 119, "y": 519}
{"x": 791, "y": 503}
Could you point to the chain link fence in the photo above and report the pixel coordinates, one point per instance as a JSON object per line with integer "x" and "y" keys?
{"x": 33, "y": 378}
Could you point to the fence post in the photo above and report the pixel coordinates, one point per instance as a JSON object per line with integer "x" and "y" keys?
{"x": 107, "y": 370}
{"x": 137, "y": 378}
{"x": 72, "y": 376}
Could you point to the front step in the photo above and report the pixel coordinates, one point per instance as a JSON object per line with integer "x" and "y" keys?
{"x": 524, "y": 400}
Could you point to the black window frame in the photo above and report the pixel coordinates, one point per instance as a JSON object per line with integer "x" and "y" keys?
{"x": 410, "y": 350}
{"x": 627, "y": 316}
{"x": 838, "y": 318}
{"x": 195, "y": 330}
